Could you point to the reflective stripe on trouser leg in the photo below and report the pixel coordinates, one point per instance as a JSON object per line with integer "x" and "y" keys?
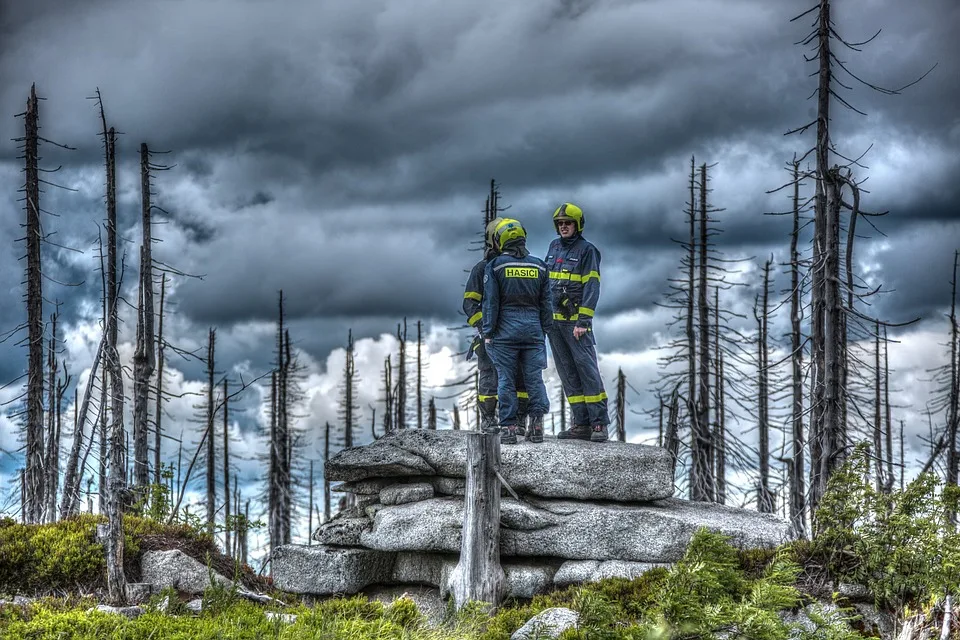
{"x": 504, "y": 358}
{"x": 584, "y": 353}
{"x": 533, "y": 358}
{"x": 487, "y": 381}
{"x": 567, "y": 370}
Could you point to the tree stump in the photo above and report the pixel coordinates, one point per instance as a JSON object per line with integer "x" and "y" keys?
{"x": 478, "y": 576}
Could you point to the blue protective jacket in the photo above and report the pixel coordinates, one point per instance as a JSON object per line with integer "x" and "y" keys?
{"x": 517, "y": 307}
{"x": 574, "y": 266}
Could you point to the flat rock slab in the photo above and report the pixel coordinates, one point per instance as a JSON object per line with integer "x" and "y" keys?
{"x": 326, "y": 570}
{"x": 176, "y": 569}
{"x": 574, "y": 530}
{"x": 619, "y": 471}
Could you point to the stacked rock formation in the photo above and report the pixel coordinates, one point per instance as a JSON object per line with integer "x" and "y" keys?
{"x": 582, "y": 511}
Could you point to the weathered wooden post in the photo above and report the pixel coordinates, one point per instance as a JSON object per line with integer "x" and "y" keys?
{"x": 478, "y": 576}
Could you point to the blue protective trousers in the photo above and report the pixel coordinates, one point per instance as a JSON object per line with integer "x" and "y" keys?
{"x": 576, "y": 362}
{"x": 487, "y": 390}
{"x": 529, "y": 360}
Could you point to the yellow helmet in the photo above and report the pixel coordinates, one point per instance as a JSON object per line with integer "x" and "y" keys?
{"x": 568, "y": 211}
{"x": 489, "y": 236}
{"x": 507, "y": 231}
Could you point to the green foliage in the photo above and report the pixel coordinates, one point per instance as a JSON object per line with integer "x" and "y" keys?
{"x": 901, "y": 546}
{"x": 65, "y": 556}
{"x": 49, "y": 557}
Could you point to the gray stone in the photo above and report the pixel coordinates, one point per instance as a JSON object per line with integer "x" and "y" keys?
{"x": 528, "y": 580}
{"x": 176, "y": 569}
{"x": 854, "y": 592}
{"x": 428, "y": 600}
{"x": 343, "y": 531}
{"x": 195, "y": 605}
{"x": 802, "y": 620}
{"x": 553, "y": 469}
{"x": 420, "y": 568}
{"x": 404, "y": 493}
{"x": 658, "y": 532}
{"x": 873, "y": 621}
{"x": 548, "y": 623}
{"x": 580, "y": 571}
{"x": 139, "y": 592}
{"x": 323, "y": 570}
{"x": 129, "y": 612}
{"x": 575, "y": 572}
{"x": 369, "y": 487}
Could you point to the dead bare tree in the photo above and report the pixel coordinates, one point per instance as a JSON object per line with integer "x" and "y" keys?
{"x": 326, "y": 482}
{"x": 144, "y": 358}
{"x": 432, "y": 415}
{"x": 761, "y": 312}
{"x": 419, "y": 377}
{"x": 829, "y": 318}
{"x": 211, "y": 459}
{"x": 226, "y": 466}
{"x": 621, "y": 406}
{"x": 158, "y": 407}
{"x": 388, "y": 412}
{"x": 348, "y": 401}
{"x": 33, "y": 476}
{"x": 400, "y": 422}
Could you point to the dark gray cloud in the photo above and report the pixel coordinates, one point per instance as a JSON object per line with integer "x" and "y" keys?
{"x": 342, "y": 151}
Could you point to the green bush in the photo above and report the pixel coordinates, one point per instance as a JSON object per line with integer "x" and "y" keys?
{"x": 901, "y": 545}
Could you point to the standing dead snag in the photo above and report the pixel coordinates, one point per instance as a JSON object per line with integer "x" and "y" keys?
{"x": 33, "y": 475}
{"x": 401, "y": 404}
{"x": 144, "y": 360}
{"x": 211, "y": 480}
{"x": 796, "y": 468}
{"x": 621, "y": 406}
{"x": 158, "y": 407}
{"x": 348, "y": 402}
{"x": 702, "y": 483}
{"x": 419, "y": 378}
{"x": 760, "y": 311}
{"x": 226, "y": 467}
{"x": 478, "y": 576}
{"x": 117, "y": 482}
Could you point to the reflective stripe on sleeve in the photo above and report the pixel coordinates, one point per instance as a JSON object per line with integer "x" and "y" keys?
{"x": 472, "y": 295}
{"x": 475, "y": 318}
{"x": 586, "y": 311}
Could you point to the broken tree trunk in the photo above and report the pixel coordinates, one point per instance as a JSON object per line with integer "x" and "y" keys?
{"x": 478, "y": 577}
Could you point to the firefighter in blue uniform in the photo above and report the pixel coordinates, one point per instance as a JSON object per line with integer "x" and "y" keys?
{"x": 487, "y": 373}
{"x": 574, "y": 266}
{"x": 517, "y": 313}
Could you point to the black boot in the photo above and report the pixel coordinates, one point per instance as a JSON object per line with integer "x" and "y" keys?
{"x": 508, "y": 435}
{"x": 535, "y": 435}
{"x": 488, "y": 424}
{"x": 578, "y": 432}
{"x": 521, "y": 425}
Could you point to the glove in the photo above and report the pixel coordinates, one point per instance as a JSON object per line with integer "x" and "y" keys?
{"x": 473, "y": 347}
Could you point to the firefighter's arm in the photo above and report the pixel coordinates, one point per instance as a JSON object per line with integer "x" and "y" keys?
{"x": 472, "y": 296}
{"x": 546, "y": 301}
{"x": 491, "y": 302}
{"x": 590, "y": 277}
